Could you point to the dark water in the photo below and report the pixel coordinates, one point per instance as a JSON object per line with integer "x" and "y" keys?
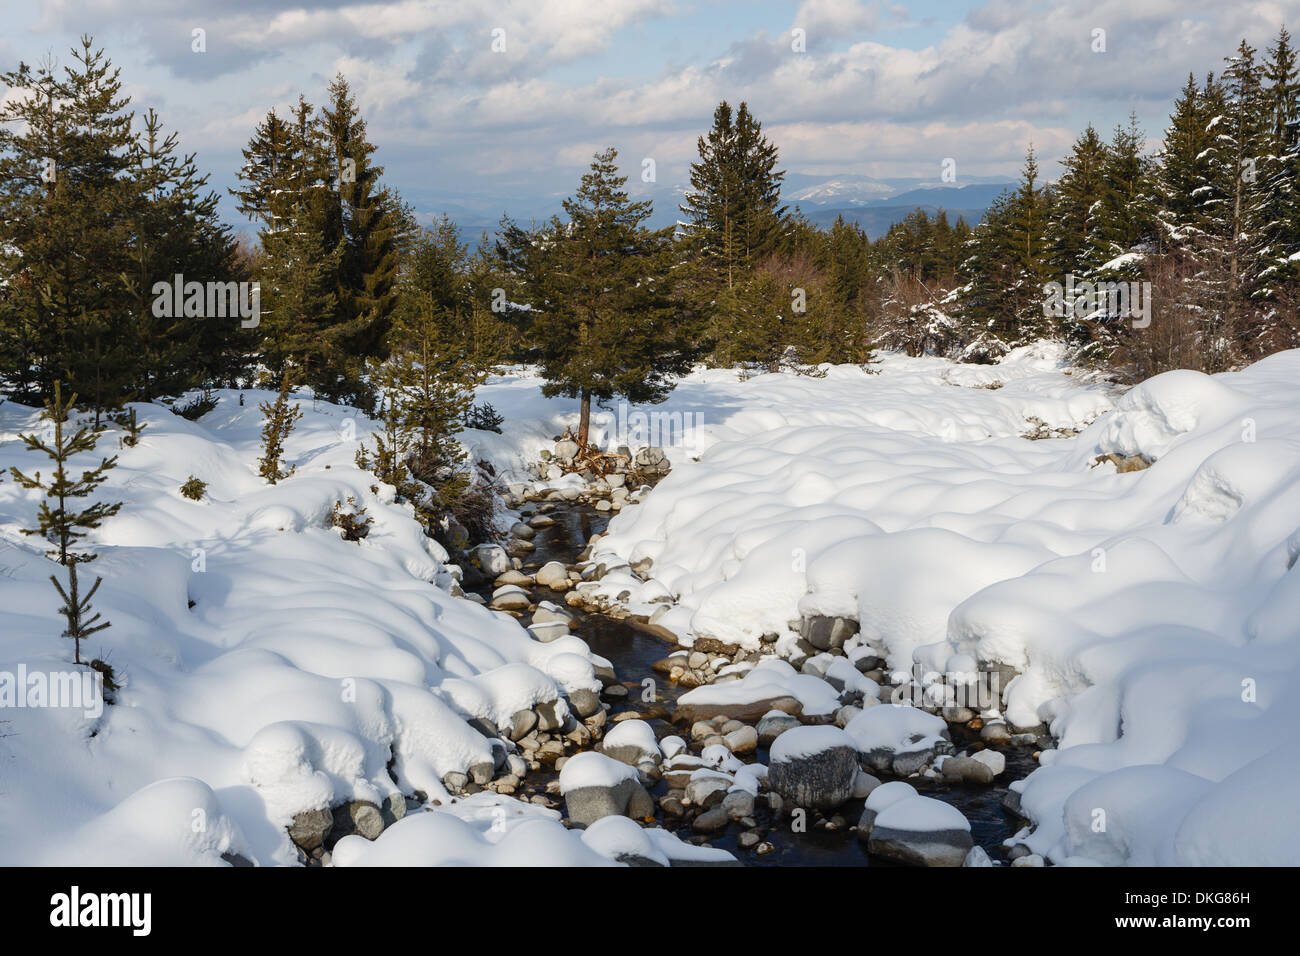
{"x": 633, "y": 652}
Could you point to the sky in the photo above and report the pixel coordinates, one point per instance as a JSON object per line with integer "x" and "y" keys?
{"x": 498, "y": 105}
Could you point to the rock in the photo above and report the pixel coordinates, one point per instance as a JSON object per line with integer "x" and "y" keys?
{"x": 772, "y": 725}
{"x": 711, "y": 821}
{"x": 310, "y": 828}
{"x": 548, "y": 613}
{"x": 824, "y": 633}
{"x": 672, "y": 806}
{"x": 912, "y": 761}
{"x": 631, "y": 742}
{"x": 702, "y": 729}
{"x": 359, "y": 817}
{"x": 641, "y": 806}
{"x": 995, "y": 761}
{"x": 748, "y": 840}
{"x": 551, "y": 714}
{"x": 393, "y": 808}
{"x": 689, "y": 712}
{"x": 594, "y": 786}
{"x": 510, "y": 598}
{"x": 977, "y": 857}
{"x": 814, "y": 767}
{"x": 492, "y": 558}
{"x": 553, "y": 575}
{"x": 863, "y": 784}
{"x": 1032, "y": 859}
{"x": 958, "y": 715}
{"x": 513, "y": 577}
{"x": 584, "y": 702}
{"x": 482, "y": 773}
{"x": 522, "y": 723}
{"x": 995, "y": 731}
{"x": 455, "y": 782}
{"x": 743, "y": 740}
{"x": 545, "y": 633}
{"x": 920, "y": 831}
{"x": 566, "y": 449}
{"x": 846, "y": 714}
{"x": 738, "y": 804}
{"x": 707, "y": 789}
{"x": 967, "y": 770}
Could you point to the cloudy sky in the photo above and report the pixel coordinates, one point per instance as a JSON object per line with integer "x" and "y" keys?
{"x": 886, "y": 89}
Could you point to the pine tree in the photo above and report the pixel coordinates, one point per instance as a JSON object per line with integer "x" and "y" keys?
{"x": 600, "y": 319}
{"x": 67, "y": 205}
{"x": 733, "y": 209}
{"x": 1074, "y": 203}
{"x": 1277, "y": 210}
{"x": 59, "y": 525}
{"x": 1125, "y": 209}
{"x": 280, "y": 419}
{"x": 365, "y": 219}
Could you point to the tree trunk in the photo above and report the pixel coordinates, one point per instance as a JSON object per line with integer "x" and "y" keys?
{"x": 584, "y": 421}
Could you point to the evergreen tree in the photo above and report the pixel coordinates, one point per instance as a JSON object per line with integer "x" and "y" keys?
{"x": 280, "y": 419}
{"x": 67, "y": 207}
{"x": 64, "y": 527}
{"x": 1277, "y": 210}
{"x": 1074, "y": 201}
{"x": 600, "y": 320}
{"x": 1125, "y": 209}
{"x": 733, "y": 209}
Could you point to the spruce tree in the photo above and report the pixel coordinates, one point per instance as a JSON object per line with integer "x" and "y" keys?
{"x": 280, "y": 419}
{"x": 67, "y": 206}
{"x": 601, "y": 320}
{"x": 733, "y": 209}
{"x": 62, "y": 526}
{"x": 1074, "y": 200}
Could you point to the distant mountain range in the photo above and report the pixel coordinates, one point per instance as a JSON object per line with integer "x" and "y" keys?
{"x": 875, "y": 204}
{"x": 875, "y": 216}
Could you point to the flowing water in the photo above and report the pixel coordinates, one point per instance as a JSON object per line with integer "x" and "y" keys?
{"x": 632, "y": 652}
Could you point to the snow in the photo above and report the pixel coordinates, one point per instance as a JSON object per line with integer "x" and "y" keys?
{"x": 895, "y": 727}
{"x": 799, "y": 742}
{"x": 920, "y": 815}
{"x": 591, "y": 769}
{"x": 770, "y": 678}
{"x": 887, "y": 794}
{"x": 633, "y": 733}
{"x": 268, "y": 666}
{"x": 1150, "y": 613}
{"x": 442, "y": 839}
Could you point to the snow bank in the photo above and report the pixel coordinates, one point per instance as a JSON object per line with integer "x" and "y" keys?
{"x": 1151, "y": 613}
{"x": 268, "y": 666}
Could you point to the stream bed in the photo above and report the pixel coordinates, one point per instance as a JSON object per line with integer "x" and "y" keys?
{"x": 632, "y": 652}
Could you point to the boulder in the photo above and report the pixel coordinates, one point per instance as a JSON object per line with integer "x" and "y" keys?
{"x": 825, "y": 633}
{"x": 596, "y": 786}
{"x": 360, "y": 817}
{"x": 687, "y": 712}
{"x": 814, "y": 767}
{"x": 310, "y": 828}
{"x": 553, "y": 575}
{"x": 920, "y": 831}
{"x": 773, "y": 724}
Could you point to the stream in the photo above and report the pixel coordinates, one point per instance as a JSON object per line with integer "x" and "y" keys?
{"x": 633, "y": 652}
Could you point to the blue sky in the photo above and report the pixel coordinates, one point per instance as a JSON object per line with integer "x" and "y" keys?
{"x": 884, "y": 89}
